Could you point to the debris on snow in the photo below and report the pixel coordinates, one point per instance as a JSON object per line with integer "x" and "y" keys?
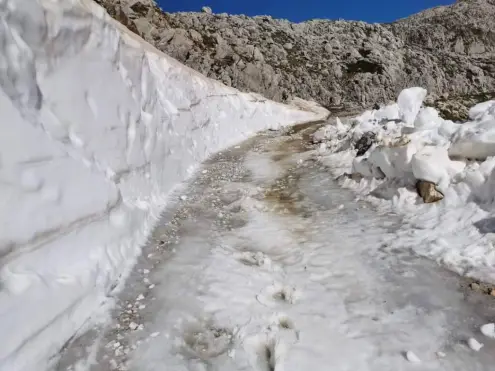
{"x": 428, "y": 192}
{"x": 488, "y": 330}
{"x": 133, "y": 326}
{"x": 475, "y": 344}
{"x": 441, "y": 355}
{"x": 417, "y": 152}
{"x": 411, "y": 357}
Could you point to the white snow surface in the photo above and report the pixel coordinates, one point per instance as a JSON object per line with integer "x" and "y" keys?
{"x": 97, "y": 127}
{"x": 414, "y": 143}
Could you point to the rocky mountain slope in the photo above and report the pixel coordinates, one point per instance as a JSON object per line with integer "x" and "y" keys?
{"x": 449, "y": 50}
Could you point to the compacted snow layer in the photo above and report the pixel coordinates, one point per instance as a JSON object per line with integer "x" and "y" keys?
{"x": 97, "y": 127}
{"x": 257, "y": 273}
{"x": 411, "y": 144}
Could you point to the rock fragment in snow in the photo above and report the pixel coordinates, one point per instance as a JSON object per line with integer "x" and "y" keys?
{"x": 428, "y": 191}
{"x": 365, "y": 142}
{"x": 475, "y": 344}
{"x": 441, "y": 355}
{"x": 133, "y": 326}
{"x": 488, "y": 330}
{"x": 411, "y": 357}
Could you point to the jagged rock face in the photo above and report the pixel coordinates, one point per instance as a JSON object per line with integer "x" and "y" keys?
{"x": 340, "y": 64}
{"x": 428, "y": 192}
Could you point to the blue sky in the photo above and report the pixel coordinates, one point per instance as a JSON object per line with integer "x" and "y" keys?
{"x": 300, "y": 10}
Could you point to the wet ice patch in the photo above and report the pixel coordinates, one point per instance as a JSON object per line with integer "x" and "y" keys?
{"x": 262, "y": 167}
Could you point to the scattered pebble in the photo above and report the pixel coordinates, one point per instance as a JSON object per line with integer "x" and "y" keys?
{"x": 155, "y": 334}
{"x": 152, "y": 286}
{"x": 146, "y": 271}
{"x": 475, "y": 286}
{"x": 341, "y": 207}
{"x": 204, "y": 171}
{"x": 441, "y": 355}
{"x": 488, "y": 330}
{"x": 411, "y": 357}
{"x": 133, "y": 326}
{"x": 140, "y": 297}
{"x": 142, "y": 306}
{"x": 475, "y": 344}
{"x": 183, "y": 197}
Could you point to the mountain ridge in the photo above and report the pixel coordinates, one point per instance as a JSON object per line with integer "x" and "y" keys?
{"x": 343, "y": 65}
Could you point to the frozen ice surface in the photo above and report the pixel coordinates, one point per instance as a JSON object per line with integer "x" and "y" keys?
{"x": 289, "y": 280}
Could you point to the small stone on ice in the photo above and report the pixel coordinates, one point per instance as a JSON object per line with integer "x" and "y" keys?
{"x": 141, "y": 307}
{"x": 183, "y": 197}
{"x": 133, "y": 326}
{"x": 140, "y": 297}
{"x": 488, "y": 330}
{"x": 155, "y": 334}
{"x": 146, "y": 271}
{"x": 341, "y": 207}
{"x": 475, "y": 344}
{"x": 441, "y": 355}
{"x": 151, "y": 287}
{"x": 204, "y": 171}
{"x": 411, "y": 357}
{"x": 140, "y": 327}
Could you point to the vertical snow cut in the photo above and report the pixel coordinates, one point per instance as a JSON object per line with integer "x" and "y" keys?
{"x": 97, "y": 128}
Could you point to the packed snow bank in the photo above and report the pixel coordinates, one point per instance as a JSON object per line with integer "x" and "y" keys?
{"x": 404, "y": 143}
{"x": 97, "y": 129}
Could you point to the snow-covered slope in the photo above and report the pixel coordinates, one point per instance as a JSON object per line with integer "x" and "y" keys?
{"x": 410, "y": 143}
{"x": 97, "y": 128}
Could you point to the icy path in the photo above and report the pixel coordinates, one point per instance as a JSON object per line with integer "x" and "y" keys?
{"x": 267, "y": 265}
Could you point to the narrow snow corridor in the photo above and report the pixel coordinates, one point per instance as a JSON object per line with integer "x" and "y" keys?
{"x": 266, "y": 264}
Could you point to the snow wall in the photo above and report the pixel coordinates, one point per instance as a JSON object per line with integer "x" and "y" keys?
{"x": 97, "y": 128}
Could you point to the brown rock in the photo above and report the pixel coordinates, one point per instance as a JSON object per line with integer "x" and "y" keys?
{"x": 428, "y": 191}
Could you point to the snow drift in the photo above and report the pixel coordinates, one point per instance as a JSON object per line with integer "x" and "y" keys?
{"x": 97, "y": 128}
{"x": 410, "y": 143}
